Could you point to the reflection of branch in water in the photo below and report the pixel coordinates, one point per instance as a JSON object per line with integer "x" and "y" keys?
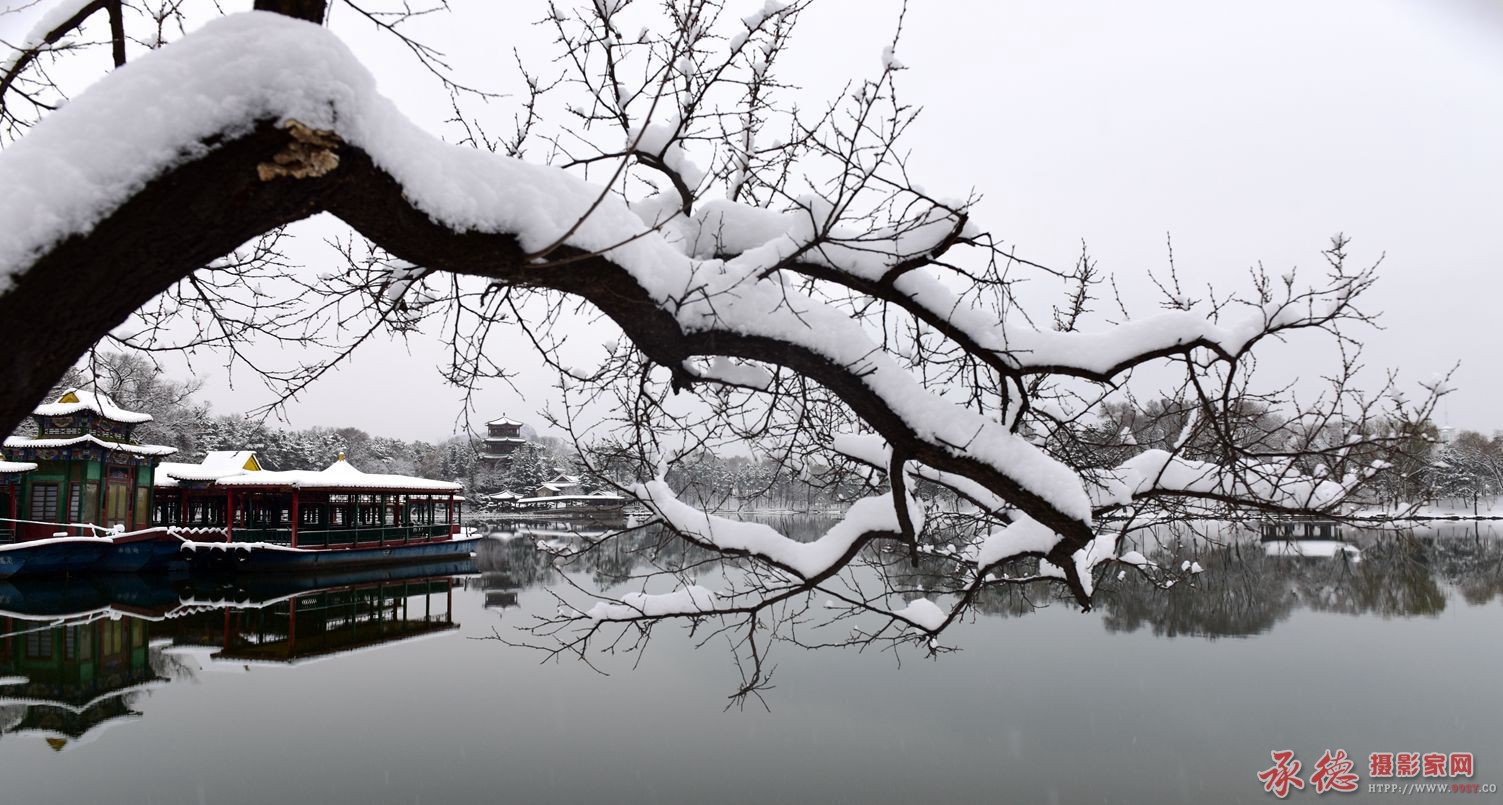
{"x": 1244, "y": 591}
{"x": 1240, "y": 589}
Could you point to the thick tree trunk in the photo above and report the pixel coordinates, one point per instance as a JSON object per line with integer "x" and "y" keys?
{"x": 208, "y": 206}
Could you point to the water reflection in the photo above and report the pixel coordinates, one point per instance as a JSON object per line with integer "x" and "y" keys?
{"x": 1251, "y": 582}
{"x": 77, "y": 653}
{"x": 1249, "y": 587}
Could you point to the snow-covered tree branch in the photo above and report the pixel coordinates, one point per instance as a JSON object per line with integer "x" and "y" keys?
{"x": 816, "y": 303}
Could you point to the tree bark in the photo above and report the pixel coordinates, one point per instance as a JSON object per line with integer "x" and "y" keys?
{"x": 310, "y": 10}
{"x": 207, "y": 207}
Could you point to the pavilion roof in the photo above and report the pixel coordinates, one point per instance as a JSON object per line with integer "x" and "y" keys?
{"x": 339, "y": 475}
{"x": 74, "y": 400}
{"x": 218, "y": 464}
{"x": 89, "y": 438}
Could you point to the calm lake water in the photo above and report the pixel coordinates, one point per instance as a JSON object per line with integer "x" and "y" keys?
{"x": 377, "y": 690}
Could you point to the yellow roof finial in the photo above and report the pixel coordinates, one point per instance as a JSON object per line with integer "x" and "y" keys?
{"x": 341, "y": 455}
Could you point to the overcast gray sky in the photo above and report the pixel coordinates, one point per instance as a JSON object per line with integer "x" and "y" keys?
{"x": 1250, "y": 131}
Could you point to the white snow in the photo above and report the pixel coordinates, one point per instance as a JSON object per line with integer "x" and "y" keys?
{"x": 807, "y": 559}
{"x": 659, "y": 139}
{"x": 735, "y": 373}
{"x": 1023, "y": 535}
{"x": 684, "y": 601}
{"x": 90, "y": 401}
{"x": 339, "y": 475}
{"x": 216, "y": 465}
{"x": 1162, "y": 471}
{"x": 1311, "y": 548}
{"x": 924, "y": 613}
{"x": 89, "y": 438}
{"x": 62, "y": 178}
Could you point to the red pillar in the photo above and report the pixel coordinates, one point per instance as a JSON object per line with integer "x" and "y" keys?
{"x": 292, "y": 615}
{"x": 229, "y": 516}
{"x": 294, "y": 517}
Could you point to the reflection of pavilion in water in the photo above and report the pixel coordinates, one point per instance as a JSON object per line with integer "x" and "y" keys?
{"x": 1306, "y": 539}
{"x": 65, "y": 675}
{"x": 306, "y": 626}
{"x": 64, "y": 682}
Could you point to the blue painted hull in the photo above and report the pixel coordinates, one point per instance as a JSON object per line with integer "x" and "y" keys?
{"x": 56, "y": 557}
{"x": 221, "y": 558}
{"x": 143, "y": 556}
{"x": 11, "y": 564}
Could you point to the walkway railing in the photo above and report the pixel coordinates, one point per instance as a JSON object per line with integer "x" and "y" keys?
{"x": 358, "y": 537}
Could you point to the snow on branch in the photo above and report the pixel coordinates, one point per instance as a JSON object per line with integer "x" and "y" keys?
{"x": 825, "y": 308}
{"x": 865, "y": 519}
{"x": 688, "y": 601}
{"x": 1161, "y": 472}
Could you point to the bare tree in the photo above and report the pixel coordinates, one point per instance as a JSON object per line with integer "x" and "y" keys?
{"x": 778, "y": 279}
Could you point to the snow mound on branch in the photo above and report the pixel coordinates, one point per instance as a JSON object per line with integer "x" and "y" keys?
{"x": 158, "y": 111}
{"x": 1161, "y": 471}
{"x": 658, "y": 139}
{"x": 923, "y": 612}
{"x": 1023, "y": 535}
{"x": 726, "y": 370}
{"x": 689, "y": 600}
{"x": 872, "y": 449}
{"x": 806, "y": 559}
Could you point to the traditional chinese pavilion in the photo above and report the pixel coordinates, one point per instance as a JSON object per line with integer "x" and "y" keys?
{"x": 85, "y": 469}
{"x": 502, "y": 438}
{"x": 231, "y": 497}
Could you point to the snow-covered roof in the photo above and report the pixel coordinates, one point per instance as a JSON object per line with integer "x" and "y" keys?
{"x": 74, "y": 400}
{"x": 601, "y": 497}
{"x": 564, "y": 479}
{"x": 339, "y": 475}
{"x": 505, "y": 439}
{"x": 134, "y": 449}
{"x": 503, "y": 421}
{"x": 505, "y": 495}
{"x": 218, "y": 464}
{"x": 7, "y": 467}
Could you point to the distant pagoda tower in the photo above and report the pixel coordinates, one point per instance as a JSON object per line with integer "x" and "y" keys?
{"x": 89, "y": 467}
{"x": 502, "y": 438}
